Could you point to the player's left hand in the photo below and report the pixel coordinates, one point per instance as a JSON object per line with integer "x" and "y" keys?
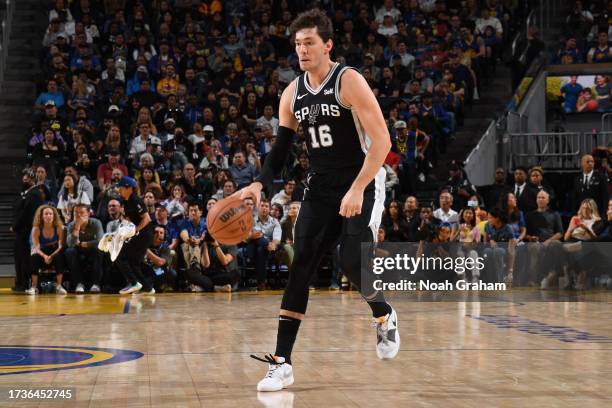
{"x": 351, "y": 203}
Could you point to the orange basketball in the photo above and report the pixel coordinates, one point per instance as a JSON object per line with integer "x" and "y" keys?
{"x": 230, "y": 221}
{"x": 592, "y": 106}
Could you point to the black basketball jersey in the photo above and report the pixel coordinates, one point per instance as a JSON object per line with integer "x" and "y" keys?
{"x": 334, "y": 135}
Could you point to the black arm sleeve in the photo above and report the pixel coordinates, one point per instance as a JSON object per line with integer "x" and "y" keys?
{"x": 276, "y": 158}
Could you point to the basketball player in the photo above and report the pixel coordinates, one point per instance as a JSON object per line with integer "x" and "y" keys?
{"x": 348, "y": 141}
{"x": 132, "y": 253}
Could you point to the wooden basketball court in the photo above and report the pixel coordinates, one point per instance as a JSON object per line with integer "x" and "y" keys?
{"x": 191, "y": 350}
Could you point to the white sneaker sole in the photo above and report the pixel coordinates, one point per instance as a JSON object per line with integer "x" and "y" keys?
{"x": 286, "y": 382}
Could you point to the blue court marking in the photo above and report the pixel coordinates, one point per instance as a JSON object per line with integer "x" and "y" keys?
{"x": 561, "y": 333}
{"x": 126, "y": 308}
{"x": 30, "y": 359}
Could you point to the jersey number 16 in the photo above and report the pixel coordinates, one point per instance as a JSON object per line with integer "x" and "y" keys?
{"x": 324, "y": 137}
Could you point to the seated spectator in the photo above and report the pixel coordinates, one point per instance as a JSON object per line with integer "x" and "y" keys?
{"x": 497, "y": 231}
{"x": 171, "y": 227}
{"x": 242, "y": 172}
{"x": 176, "y": 204}
{"x": 70, "y": 197}
{"x": 192, "y": 235}
{"x": 158, "y": 262}
{"x": 197, "y": 187}
{"x": 285, "y": 196}
{"x": 105, "y": 170}
{"x": 428, "y": 224}
{"x": 172, "y": 160}
{"x": 586, "y": 225}
{"x": 287, "y": 228}
{"x": 458, "y": 185}
{"x": 263, "y": 241}
{"x": 543, "y": 227}
{"x": 522, "y": 191}
{"x": 468, "y": 235}
{"x": 220, "y": 266}
{"x": 113, "y": 215}
{"x": 82, "y": 253}
{"x": 50, "y": 153}
{"x": 606, "y": 232}
{"x": 570, "y": 54}
{"x": 276, "y": 211}
{"x": 83, "y": 184}
{"x": 445, "y": 213}
{"x": 139, "y": 143}
{"x": 52, "y": 96}
{"x": 393, "y": 223}
{"x": 268, "y": 119}
{"x": 602, "y": 52}
{"x": 47, "y": 247}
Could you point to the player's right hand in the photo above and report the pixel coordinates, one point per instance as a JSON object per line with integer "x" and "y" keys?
{"x": 253, "y": 190}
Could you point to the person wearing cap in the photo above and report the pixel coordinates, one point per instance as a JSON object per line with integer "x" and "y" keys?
{"x": 459, "y": 186}
{"x": 51, "y": 97}
{"x": 172, "y": 160}
{"x": 167, "y": 132}
{"x": 133, "y": 251}
{"x": 23, "y": 215}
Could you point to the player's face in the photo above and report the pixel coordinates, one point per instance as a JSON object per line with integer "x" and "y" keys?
{"x": 311, "y": 49}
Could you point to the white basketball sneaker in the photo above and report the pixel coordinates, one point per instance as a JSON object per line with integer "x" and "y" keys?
{"x": 279, "y": 375}
{"x": 387, "y": 336}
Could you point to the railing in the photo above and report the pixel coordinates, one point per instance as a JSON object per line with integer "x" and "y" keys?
{"x": 606, "y": 119}
{"x": 553, "y": 151}
{"x": 6, "y": 34}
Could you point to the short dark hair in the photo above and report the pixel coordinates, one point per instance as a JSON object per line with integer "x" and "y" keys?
{"x": 314, "y": 18}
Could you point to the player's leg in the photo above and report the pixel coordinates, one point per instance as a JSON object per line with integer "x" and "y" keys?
{"x": 357, "y": 231}
{"x": 317, "y": 229}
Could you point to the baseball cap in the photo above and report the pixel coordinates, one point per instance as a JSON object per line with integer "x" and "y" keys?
{"x": 169, "y": 119}
{"x": 400, "y": 124}
{"x": 126, "y": 182}
{"x": 154, "y": 140}
{"x": 113, "y": 108}
{"x": 142, "y": 68}
{"x": 370, "y": 56}
{"x": 208, "y": 128}
{"x": 50, "y": 102}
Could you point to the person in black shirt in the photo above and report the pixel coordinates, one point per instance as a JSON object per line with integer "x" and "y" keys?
{"x": 591, "y": 184}
{"x": 23, "y": 215}
{"x": 133, "y": 252}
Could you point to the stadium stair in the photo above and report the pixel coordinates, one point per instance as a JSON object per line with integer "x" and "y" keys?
{"x": 492, "y": 103}
{"x": 16, "y": 99}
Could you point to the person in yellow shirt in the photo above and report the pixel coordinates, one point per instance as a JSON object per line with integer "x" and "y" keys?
{"x": 169, "y": 84}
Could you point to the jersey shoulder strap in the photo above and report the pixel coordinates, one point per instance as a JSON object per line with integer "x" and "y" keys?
{"x": 341, "y": 70}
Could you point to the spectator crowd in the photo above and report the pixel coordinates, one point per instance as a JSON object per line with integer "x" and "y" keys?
{"x": 183, "y": 97}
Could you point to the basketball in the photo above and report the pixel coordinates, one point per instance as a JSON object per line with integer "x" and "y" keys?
{"x": 591, "y": 106}
{"x": 230, "y": 221}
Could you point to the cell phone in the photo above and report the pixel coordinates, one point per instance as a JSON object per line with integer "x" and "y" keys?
{"x": 576, "y": 221}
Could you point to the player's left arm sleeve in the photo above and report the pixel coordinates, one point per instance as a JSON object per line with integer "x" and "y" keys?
{"x": 356, "y": 93}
